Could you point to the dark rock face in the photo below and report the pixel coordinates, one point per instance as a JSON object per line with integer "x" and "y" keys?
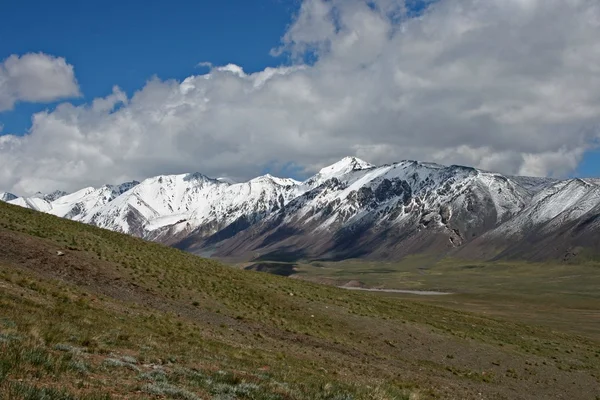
{"x": 363, "y": 197}
{"x": 445, "y": 214}
{"x": 54, "y": 195}
{"x": 77, "y": 209}
{"x": 122, "y": 188}
{"x": 369, "y": 198}
{"x": 388, "y": 189}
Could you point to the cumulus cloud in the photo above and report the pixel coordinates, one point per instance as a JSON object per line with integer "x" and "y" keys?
{"x": 505, "y": 85}
{"x": 35, "y": 77}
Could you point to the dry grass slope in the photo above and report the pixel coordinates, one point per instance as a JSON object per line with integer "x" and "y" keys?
{"x": 119, "y": 318}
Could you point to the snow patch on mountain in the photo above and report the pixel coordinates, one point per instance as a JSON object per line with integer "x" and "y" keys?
{"x": 226, "y": 180}
{"x": 34, "y": 203}
{"x": 345, "y": 166}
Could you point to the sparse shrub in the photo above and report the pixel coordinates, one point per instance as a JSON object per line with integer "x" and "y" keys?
{"x": 154, "y": 376}
{"x": 129, "y": 359}
{"x": 9, "y": 337}
{"x": 165, "y": 389}
{"x": 79, "y": 366}
{"x": 38, "y": 357}
{"x": 68, "y": 348}
{"x": 7, "y": 323}
{"x": 113, "y": 362}
{"x": 18, "y": 390}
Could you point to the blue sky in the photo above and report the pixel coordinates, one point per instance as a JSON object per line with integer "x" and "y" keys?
{"x": 508, "y": 86}
{"x": 125, "y": 43}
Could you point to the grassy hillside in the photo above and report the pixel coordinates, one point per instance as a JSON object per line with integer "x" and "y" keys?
{"x": 116, "y": 317}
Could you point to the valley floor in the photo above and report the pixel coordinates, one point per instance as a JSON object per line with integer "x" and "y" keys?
{"x": 565, "y": 297}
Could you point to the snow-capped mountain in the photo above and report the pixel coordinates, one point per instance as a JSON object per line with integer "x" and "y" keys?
{"x": 353, "y": 209}
{"x": 35, "y": 203}
{"x": 168, "y": 208}
{"x": 348, "y": 209}
{"x": 50, "y": 197}
{"x": 561, "y": 221}
{"x": 5, "y": 196}
{"x": 76, "y": 205}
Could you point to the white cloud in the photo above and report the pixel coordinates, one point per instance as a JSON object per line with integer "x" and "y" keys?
{"x": 205, "y": 64}
{"x": 506, "y": 85}
{"x": 35, "y": 77}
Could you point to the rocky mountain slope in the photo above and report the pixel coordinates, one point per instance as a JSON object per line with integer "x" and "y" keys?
{"x": 381, "y": 212}
{"x": 562, "y": 221}
{"x": 348, "y": 209}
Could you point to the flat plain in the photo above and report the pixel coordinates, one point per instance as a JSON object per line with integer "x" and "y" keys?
{"x": 562, "y": 296}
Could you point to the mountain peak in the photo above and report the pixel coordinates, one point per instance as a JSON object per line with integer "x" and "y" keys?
{"x": 49, "y": 197}
{"x": 123, "y": 187}
{"x": 276, "y": 180}
{"x": 195, "y": 176}
{"x": 5, "y": 196}
{"x": 224, "y": 179}
{"x": 57, "y": 194}
{"x": 345, "y": 165}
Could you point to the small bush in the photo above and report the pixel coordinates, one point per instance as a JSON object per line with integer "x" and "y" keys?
{"x": 164, "y": 389}
{"x": 129, "y": 359}
{"x": 9, "y": 337}
{"x": 113, "y": 362}
{"x": 154, "y": 376}
{"x": 69, "y": 348}
{"x": 79, "y": 366}
{"x": 18, "y": 390}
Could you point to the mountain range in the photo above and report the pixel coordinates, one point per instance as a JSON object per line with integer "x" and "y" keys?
{"x": 350, "y": 209}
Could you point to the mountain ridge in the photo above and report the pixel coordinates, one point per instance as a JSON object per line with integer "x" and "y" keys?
{"x": 348, "y": 209}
